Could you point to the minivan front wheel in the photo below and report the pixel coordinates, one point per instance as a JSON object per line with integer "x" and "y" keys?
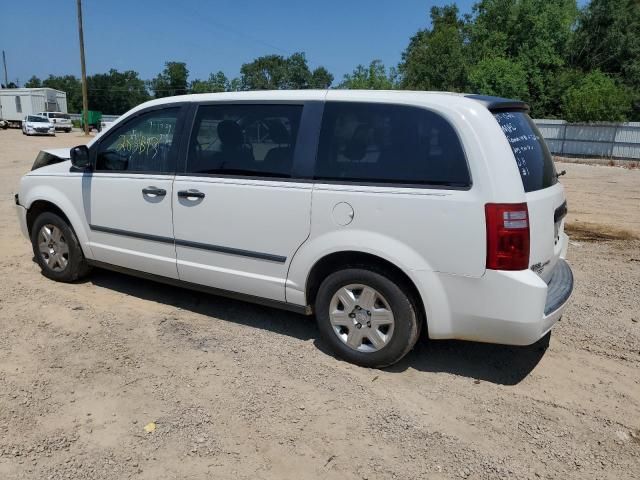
{"x": 56, "y": 249}
{"x": 365, "y": 317}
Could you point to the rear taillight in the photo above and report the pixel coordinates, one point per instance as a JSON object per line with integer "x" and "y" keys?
{"x": 507, "y": 236}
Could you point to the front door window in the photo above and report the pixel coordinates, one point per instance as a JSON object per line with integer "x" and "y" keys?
{"x": 144, "y": 145}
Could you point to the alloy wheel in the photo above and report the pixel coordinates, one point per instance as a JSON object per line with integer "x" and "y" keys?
{"x": 53, "y": 247}
{"x": 361, "y": 318}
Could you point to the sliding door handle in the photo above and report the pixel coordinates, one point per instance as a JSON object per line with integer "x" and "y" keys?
{"x": 190, "y": 194}
{"x": 160, "y": 192}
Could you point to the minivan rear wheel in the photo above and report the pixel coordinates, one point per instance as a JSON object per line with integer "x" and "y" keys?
{"x": 366, "y": 318}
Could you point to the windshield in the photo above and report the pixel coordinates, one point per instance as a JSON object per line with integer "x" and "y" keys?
{"x": 32, "y": 118}
{"x": 59, "y": 115}
{"x": 529, "y": 149}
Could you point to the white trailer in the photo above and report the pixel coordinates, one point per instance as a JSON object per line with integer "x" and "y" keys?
{"x": 16, "y": 103}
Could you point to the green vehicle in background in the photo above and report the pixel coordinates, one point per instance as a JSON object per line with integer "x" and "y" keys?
{"x": 94, "y": 120}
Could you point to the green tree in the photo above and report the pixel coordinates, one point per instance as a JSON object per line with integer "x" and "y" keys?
{"x": 321, "y": 78}
{"x": 217, "y": 82}
{"x": 436, "y": 58}
{"x": 235, "y": 85}
{"x": 275, "y": 72}
{"x": 500, "y": 77}
{"x": 172, "y": 81}
{"x": 264, "y": 73}
{"x": 116, "y": 92}
{"x": 373, "y": 77}
{"x": 33, "y": 82}
{"x": 69, "y": 84}
{"x": 533, "y": 33}
{"x": 297, "y": 74}
{"x": 608, "y": 38}
{"x": 597, "y": 97}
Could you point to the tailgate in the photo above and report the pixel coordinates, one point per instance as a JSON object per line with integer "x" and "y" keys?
{"x": 544, "y": 194}
{"x": 547, "y": 210}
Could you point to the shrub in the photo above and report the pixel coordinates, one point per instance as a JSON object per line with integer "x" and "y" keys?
{"x": 597, "y": 98}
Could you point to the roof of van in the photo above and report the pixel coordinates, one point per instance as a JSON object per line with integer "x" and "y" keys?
{"x": 408, "y": 96}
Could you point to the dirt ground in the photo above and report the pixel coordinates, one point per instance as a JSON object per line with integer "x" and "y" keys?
{"x": 240, "y": 391}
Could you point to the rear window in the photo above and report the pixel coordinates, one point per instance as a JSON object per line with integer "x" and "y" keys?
{"x": 382, "y": 143}
{"x": 529, "y": 149}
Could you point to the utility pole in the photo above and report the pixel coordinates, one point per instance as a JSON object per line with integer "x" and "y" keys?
{"x": 85, "y": 99}
{"x": 6, "y": 77}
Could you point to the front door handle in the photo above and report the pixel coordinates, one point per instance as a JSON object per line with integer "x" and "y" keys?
{"x": 160, "y": 192}
{"x": 190, "y": 194}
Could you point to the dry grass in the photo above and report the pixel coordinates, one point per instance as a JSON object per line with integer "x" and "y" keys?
{"x": 596, "y": 232}
{"x": 602, "y": 161}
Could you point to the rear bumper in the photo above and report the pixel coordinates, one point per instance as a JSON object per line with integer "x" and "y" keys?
{"x": 559, "y": 288}
{"x": 511, "y": 308}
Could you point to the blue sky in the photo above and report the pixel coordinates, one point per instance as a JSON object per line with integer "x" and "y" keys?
{"x": 209, "y": 35}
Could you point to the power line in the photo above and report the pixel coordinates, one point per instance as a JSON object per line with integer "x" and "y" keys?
{"x": 197, "y": 17}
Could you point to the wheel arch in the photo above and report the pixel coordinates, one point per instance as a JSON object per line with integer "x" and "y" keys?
{"x": 37, "y": 205}
{"x": 339, "y": 260}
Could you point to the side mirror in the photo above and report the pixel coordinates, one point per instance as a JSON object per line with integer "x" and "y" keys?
{"x": 80, "y": 157}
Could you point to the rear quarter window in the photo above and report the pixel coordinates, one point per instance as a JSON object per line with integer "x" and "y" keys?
{"x": 392, "y": 144}
{"x": 530, "y": 151}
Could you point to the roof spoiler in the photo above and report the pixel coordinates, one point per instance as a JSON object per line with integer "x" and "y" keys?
{"x": 499, "y": 104}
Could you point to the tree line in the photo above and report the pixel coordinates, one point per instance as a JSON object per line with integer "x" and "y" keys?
{"x": 566, "y": 62}
{"x": 116, "y": 92}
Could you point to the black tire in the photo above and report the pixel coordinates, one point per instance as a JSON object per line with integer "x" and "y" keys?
{"x": 68, "y": 130}
{"x": 76, "y": 266}
{"x": 406, "y": 317}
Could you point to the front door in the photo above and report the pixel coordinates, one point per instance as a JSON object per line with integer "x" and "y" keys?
{"x": 128, "y": 196}
{"x": 238, "y": 215}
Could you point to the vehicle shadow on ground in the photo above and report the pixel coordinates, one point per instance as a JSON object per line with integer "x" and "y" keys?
{"x": 256, "y": 316}
{"x": 498, "y": 364}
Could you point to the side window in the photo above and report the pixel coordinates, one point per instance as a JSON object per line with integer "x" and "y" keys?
{"x": 384, "y": 143}
{"x": 18, "y": 104}
{"x": 251, "y": 140}
{"x": 145, "y": 144}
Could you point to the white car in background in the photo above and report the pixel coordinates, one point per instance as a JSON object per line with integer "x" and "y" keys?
{"x": 37, "y": 125}
{"x": 382, "y": 213}
{"x": 61, "y": 121}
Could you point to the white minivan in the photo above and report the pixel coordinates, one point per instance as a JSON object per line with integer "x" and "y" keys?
{"x": 381, "y": 212}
